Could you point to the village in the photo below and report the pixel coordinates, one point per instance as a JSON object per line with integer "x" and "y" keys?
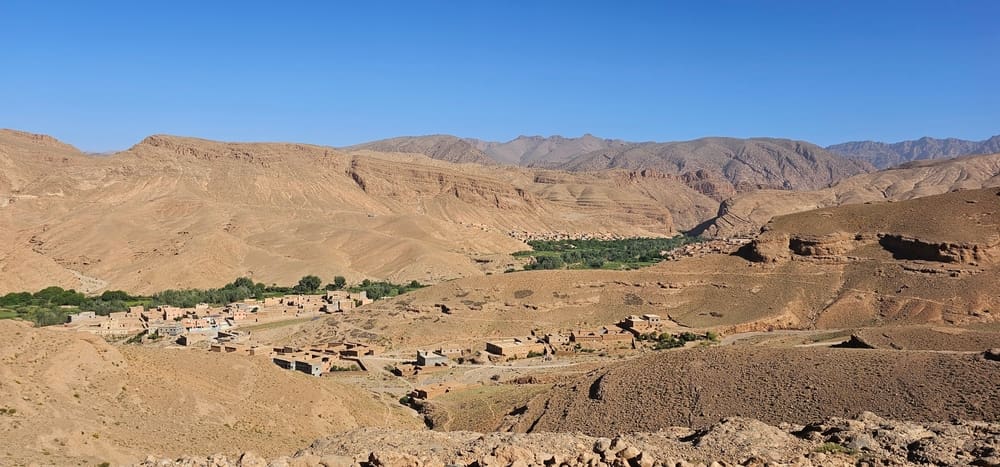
{"x": 204, "y": 322}
{"x": 424, "y": 373}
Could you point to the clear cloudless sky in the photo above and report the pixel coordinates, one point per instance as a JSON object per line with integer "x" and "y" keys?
{"x": 102, "y": 75}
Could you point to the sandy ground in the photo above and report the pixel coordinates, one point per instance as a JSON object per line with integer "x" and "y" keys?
{"x": 71, "y": 397}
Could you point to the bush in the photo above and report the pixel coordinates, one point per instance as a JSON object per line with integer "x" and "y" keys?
{"x": 116, "y": 295}
{"x": 549, "y": 262}
{"x": 667, "y": 341}
{"x": 689, "y": 337}
{"x": 381, "y": 289}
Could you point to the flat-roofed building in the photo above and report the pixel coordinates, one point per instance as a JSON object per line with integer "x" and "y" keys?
{"x": 515, "y": 347}
{"x": 425, "y": 358}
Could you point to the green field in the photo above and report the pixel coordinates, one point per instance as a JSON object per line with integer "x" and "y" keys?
{"x": 629, "y": 253}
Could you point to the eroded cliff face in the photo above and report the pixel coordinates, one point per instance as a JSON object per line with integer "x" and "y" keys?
{"x": 959, "y": 228}
{"x": 780, "y": 246}
{"x": 904, "y": 247}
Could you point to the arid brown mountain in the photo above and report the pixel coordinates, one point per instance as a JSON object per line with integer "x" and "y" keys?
{"x": 526, "y": 151}
{"x": 178, "y": 212}
{"x": 441, "y": 147}
{"x": 184, "y": 212}
{"x": 715, "y": 167}
{"x": 742, "y": 164}
{"x": 744, "y": 214}
{"x": 885, "y": 155}
{"x": 540, "y": 151}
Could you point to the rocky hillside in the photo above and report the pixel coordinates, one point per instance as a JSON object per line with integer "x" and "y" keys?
{"x": 25, "y": 157}
{"x": 885, "y": 155}
{"x": 72, "y": 398}
{"x": 743, "y": 215}
{"x": 957, "y": 228}
{"x": 184, "y": 212}
{"x": 699, "y": 387}
{"x": 734, "y": 441}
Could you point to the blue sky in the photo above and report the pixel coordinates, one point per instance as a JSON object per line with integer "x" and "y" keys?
{"x": 103, "y": 75}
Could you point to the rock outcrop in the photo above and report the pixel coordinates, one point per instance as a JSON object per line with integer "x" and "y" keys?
{"x": 865, "y": 440}
{"x": 958, "y": 228}
{"x": 906, "y": 247}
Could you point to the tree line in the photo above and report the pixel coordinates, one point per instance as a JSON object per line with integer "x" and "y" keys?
{"x": 52, "y": 305}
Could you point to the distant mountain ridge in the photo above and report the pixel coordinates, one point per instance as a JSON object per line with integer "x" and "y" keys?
{"x": 716, "y": 167}
{"x": 544, "y": 151}
{"x": 446, "y": 148}
{"x": 885, "y": 155}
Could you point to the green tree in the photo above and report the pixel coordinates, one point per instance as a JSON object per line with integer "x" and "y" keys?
{"x": 111, "y": 295}
{"x": 550, "y": 262}
{"x": 243, "y": 282}
{"x": 308, "y": 283}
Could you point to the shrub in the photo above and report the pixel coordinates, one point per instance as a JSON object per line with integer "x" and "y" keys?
{"x": 688, "y": 336}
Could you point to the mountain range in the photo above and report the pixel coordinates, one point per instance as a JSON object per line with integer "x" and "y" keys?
{"x": 885, "y": 155}
{"x": 589, "y": 152}
{"x": 900, "y": 265}
{"x": 184, "y": 212}
{"x": 716, "y": 167}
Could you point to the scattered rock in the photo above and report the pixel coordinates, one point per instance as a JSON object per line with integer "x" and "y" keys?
{"x": 865, "y": 440}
